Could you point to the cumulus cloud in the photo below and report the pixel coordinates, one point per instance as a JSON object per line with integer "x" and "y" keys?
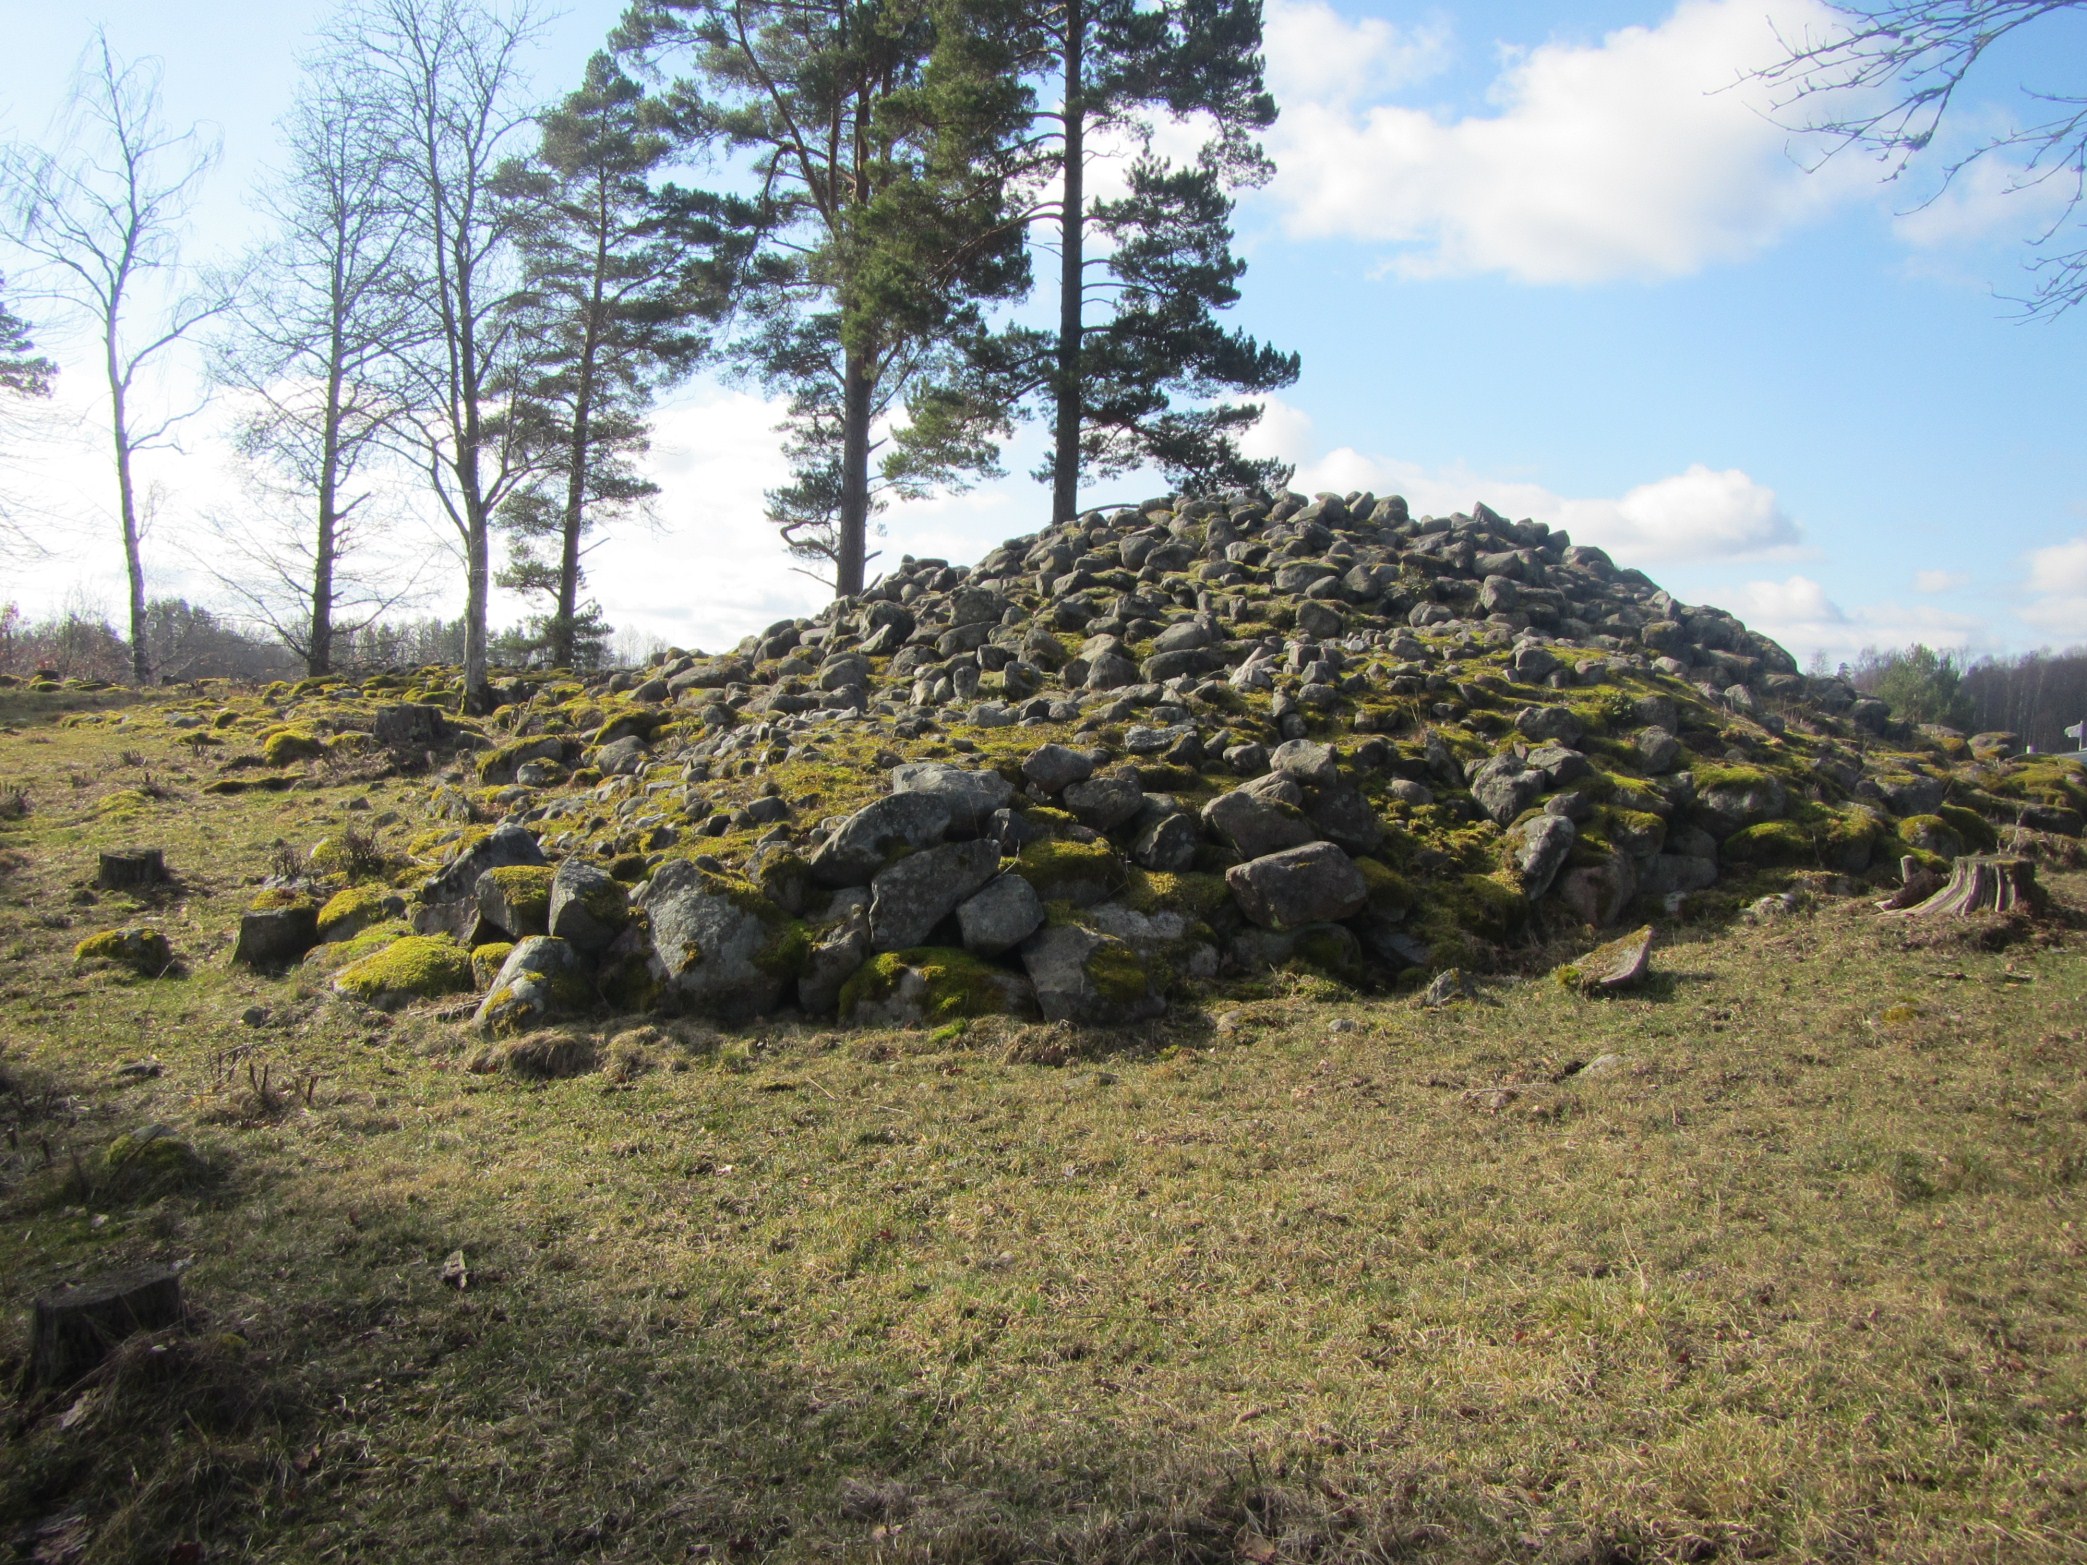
{"x": 1701, "y": 514}
{"x": 1797, "y": 612}
{"x": 1317, "y": 55}
{"x": 2058, "y": 588}
{"x": 1634, "y": 157}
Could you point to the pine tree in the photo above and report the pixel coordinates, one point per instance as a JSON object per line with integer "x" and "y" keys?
{"x": 1137, "y": 327}
{"x": 624, "y": 279}
{"x": 869, "y": 128}
{"x": 23, "y": 372}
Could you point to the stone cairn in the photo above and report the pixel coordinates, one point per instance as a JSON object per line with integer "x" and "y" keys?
{"x": 1164, "y": 745}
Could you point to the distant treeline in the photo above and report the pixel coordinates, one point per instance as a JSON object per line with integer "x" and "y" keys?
{"x": 190, "y": 642}
{"x": 2036, "y": 695}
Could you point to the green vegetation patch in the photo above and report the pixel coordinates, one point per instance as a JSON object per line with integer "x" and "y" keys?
{"x": 958, "y": 984}
{"x": 1072, "y": 871}
{"x": 141, "y": 951}
{"x": 413, "y": 967}
{"x": 287, "y": 746}
{"x": 347, "y": 913}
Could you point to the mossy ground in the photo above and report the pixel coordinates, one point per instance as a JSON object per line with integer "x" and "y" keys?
{"x": 1797, "y": 1276}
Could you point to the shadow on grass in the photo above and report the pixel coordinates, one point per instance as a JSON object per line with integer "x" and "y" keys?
{"x": 375, "y": 1379}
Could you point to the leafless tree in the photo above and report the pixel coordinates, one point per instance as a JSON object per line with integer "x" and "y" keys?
{"x": 1885, "y": 79}
{"x": 326, "y": 309}
{"x": 444, "y": 80}
{"x": 103, "y": 220}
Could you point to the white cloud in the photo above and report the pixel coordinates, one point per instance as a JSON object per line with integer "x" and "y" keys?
{"x": 1940, "y": 581}
{"x": 1698, "y": 515}
{"x": 2058, "y": 588}
{"x": 1798, "y": 613}
{"x": 1994, "y": 198}
{"x": 1317, "y": 55}
{"x": 1634, "y": 157}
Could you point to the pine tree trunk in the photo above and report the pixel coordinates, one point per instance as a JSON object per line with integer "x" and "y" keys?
{"x": 1065, "y": 460}
{"x": 478, "y": 569}
{"x": 853, "y": 541}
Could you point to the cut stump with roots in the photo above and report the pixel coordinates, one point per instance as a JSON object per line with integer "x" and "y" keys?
{"x": 1984, "y": 884}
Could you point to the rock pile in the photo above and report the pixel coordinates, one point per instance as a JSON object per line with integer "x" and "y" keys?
{"x": 1178, "y": 743}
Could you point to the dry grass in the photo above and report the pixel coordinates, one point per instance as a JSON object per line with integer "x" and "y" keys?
{"x": 1795, "y": 1275}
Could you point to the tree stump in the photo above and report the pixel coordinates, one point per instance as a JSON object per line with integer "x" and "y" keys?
{"x": 72, "y": 1330}
{"x": 126, "y": 869}
{"x": 1985, "y": 883}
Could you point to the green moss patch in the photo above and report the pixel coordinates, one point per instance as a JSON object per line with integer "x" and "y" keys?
{"x": 414, "y": 967}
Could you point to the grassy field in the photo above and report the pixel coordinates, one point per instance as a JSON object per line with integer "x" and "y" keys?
{"x": 1794, "y": 1270}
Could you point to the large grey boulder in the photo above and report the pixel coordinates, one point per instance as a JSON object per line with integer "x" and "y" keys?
{"x": 1104, "y": 803}
{"x": 1504, "y": 787}
{"x": 589, "y": 906}
{"x": 1734, "y": 801}
{"x": 1000, "y": 917}
{"x": 837, "y": 950}
{"x": 972, "y": 796}
{"x": 1054, "y": 767}
{"x": 1657, "y": 749}
{"x": 1599, "y": 893}
{"x": 1313, "y": 884}
{"x": 718, "y": 949}
{"x": 1556, "y": 723}
{"x": 1167, "y": 843}
{"x": 1664, "y": 874}
{"x": 541, "y": 979}
{"x": 1307, "y": 762}
{"x": 896, "y": 823}
{"x": 409, "y": 725}
{"x": 276, "y": 937}
{"x": 508, "y": 844}
{"x": 909, "y": 899}
{"x": 623, "y": 757}
{"x": 1264, "y": 817}
{"x": 1091, "y": 979}
{"x": 1537, "y": 850}
{"x": 1344, "y": 817}
{"x": 520, "y": 909}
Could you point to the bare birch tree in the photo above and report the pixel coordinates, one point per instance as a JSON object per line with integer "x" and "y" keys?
{"x": 445, "y": 84}
{"x": 326, "y": 309}
{"x": 103, "y": 219}
{"x": 1886, "y": 75}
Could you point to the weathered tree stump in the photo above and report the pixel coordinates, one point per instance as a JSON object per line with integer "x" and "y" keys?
{"x": 125, "y": 869}
{"x": 72, "y": 1330}
{"x": 1985, "y": 883}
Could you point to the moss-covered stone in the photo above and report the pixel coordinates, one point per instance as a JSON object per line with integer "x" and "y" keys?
{"x": 348, "y": 913}
{"x": 1198, "y": 897}
{"x": 1931, "y": 834}
{"x": 287, "y": 746}
{"x": 517, "y": 897}
{"x": 149, "y": 1161}
{"x": 486, "y": 961}
{"x": 929, "y": 985}
{"x": 1976, "y": 832}
{"x": 1077, "y": 872}
{"x": 415, "y": 967}
{"x": 141, "y": 951}
{"x": 1392, "y": 896}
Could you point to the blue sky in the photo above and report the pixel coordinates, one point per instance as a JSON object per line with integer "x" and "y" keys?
{"x": 1540, "y": 262}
